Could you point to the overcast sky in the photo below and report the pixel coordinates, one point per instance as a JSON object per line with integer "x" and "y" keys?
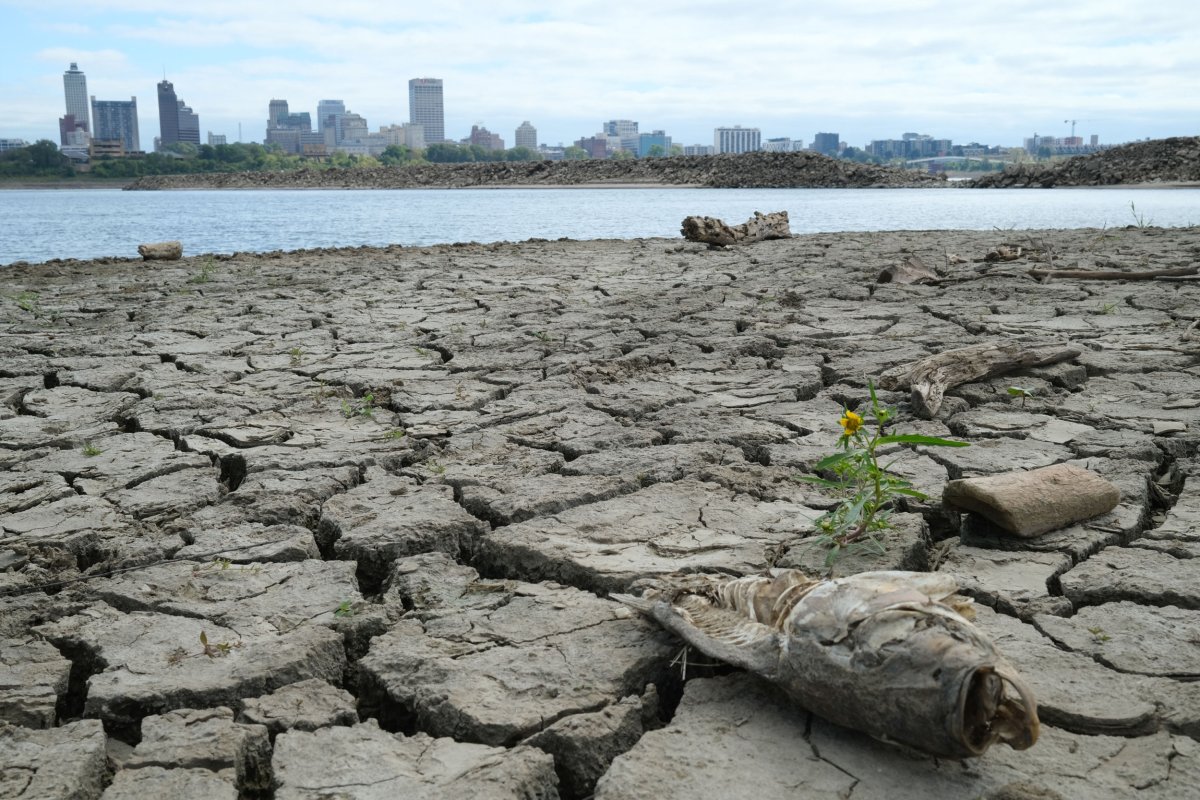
{"x": 993, "y": 73}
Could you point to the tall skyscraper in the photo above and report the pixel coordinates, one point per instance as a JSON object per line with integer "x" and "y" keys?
{"x": 77, "y": 118}
{"x": 168, "y": 114}
{"x": 116, "y": 119}
{"x": 176, "y": 121}
{"x": 425, "y": 108}
{"x": 526, "y": 136}
{"x": 331, "y": 112}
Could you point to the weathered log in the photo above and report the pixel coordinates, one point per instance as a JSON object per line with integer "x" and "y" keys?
{"x": 1115, "y": 274}
{"x": 1036, "y": 501}
{"x": 712, "y": 231}
{"x": 891, "y": 654}
{"x": 929, "y": 378}
{"x": 161, "y": 251}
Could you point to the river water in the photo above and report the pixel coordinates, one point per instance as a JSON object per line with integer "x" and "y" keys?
{"x": 38, "y": 225}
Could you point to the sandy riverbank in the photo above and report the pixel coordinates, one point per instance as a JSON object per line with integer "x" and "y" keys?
{"x": 426, "y": 468}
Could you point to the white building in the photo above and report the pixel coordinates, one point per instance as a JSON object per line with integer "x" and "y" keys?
{"x": 525, "y": 136}
{"x": 783, "y": 144}
{"x": 215, "y": 139}
{"x": 12, "y": 144}
{"x": 698, "y": 150}
{"x": 425, "y": 107}
{"x": 75, "y": 89}
{"x": 737, "y": 140}
{"x": 409, "y": 135}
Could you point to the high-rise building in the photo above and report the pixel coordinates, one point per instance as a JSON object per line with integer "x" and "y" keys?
{"x": 649, "y": 141}
{"x": 168, "y": 114}
{"x": 176, "y": 121}
{"x": 189, "y": 124}
{"x": 329, "y": 114}
{"x": 737, "y": 140}
{"x": 626, "y": 130}
{"x": 276, "y": 109}
{"x": 526, "y": 136}
{"x": 425, "y": 108}
{"x": 76, "y": 119}
{"x": 116, "y": 120}
{"x": 827, "y": 143}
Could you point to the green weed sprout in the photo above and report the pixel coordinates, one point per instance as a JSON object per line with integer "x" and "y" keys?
{"x": 856, "y": 521}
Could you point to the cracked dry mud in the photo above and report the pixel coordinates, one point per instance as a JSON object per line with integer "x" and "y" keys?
{"x": 343, "y": 523}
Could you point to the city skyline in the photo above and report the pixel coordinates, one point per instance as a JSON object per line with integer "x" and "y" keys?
{"x": 996, "y": 76}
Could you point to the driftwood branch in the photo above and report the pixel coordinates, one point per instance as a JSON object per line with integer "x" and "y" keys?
{"x": 1114, "y": 274}
{"x": 910, "y": 270}
{"x": 929, "y": 378}
{"x": 712, "y": 231}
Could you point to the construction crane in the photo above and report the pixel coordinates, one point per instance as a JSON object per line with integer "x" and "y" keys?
{"x": 1072, "y": 121}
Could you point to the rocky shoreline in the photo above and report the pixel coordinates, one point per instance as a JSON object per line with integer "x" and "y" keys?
{"x": 1174, "y": 160}
{"x": 746, "y": 171}
{"x": 344, "y": 522}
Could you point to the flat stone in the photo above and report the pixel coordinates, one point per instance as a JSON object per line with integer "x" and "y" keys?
{"x": 302, "y": 706}
{"x": 33, "y": 677}
{"x": 1136, "y": 574}
{"x": 138, "y": 784}
{"x": 520, "y": 658}
{"x": 66, "y": 763}
{"x": 1148, "y": 640}
{"x": 206, "y": 739}
{"x": 987, "y": 422}
{"x": 666, "y": 527}
{"x": 157, "y": 663}
{"x": 370, "y": 764}
{"x": 388, "y": 517}
{"x": 1015, "y": 582}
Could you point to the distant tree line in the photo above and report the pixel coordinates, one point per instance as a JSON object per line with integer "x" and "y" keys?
{"x": 43, "y": 159}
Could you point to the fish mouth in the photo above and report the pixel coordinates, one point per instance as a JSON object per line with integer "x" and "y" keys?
{"x": 988, "y": 713}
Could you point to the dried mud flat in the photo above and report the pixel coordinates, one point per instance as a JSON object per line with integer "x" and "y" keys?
{"x": 342, "y": 523}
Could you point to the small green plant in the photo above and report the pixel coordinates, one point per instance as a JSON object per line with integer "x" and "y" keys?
{"x": 217, "y": 649}
{"x": 90, "y": 450}
{"x": 206, "y": 272}
{"x": 1139, "y": 220}
{"x": 856, "y": 521}
{"x": 1099, "y": 635}
{"x": 29, "y": 303}
{"x": 395, "y": 433}
{"x": 361, "y": 407}
{"x": 1018, "y": 391}
{"x": 296, "y": 356}
{"x": 541, "y": 336}
{"x": 1107, "y": 308}
{"x": 344, "y": 609}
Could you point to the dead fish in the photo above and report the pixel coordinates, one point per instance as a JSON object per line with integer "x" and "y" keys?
{"x": 892, "y": 654}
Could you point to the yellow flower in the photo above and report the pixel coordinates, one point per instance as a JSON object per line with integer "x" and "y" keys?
{"x": 850, "y": 423}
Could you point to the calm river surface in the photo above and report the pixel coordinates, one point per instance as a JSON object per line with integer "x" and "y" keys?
{"x": 41, "y": 224}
